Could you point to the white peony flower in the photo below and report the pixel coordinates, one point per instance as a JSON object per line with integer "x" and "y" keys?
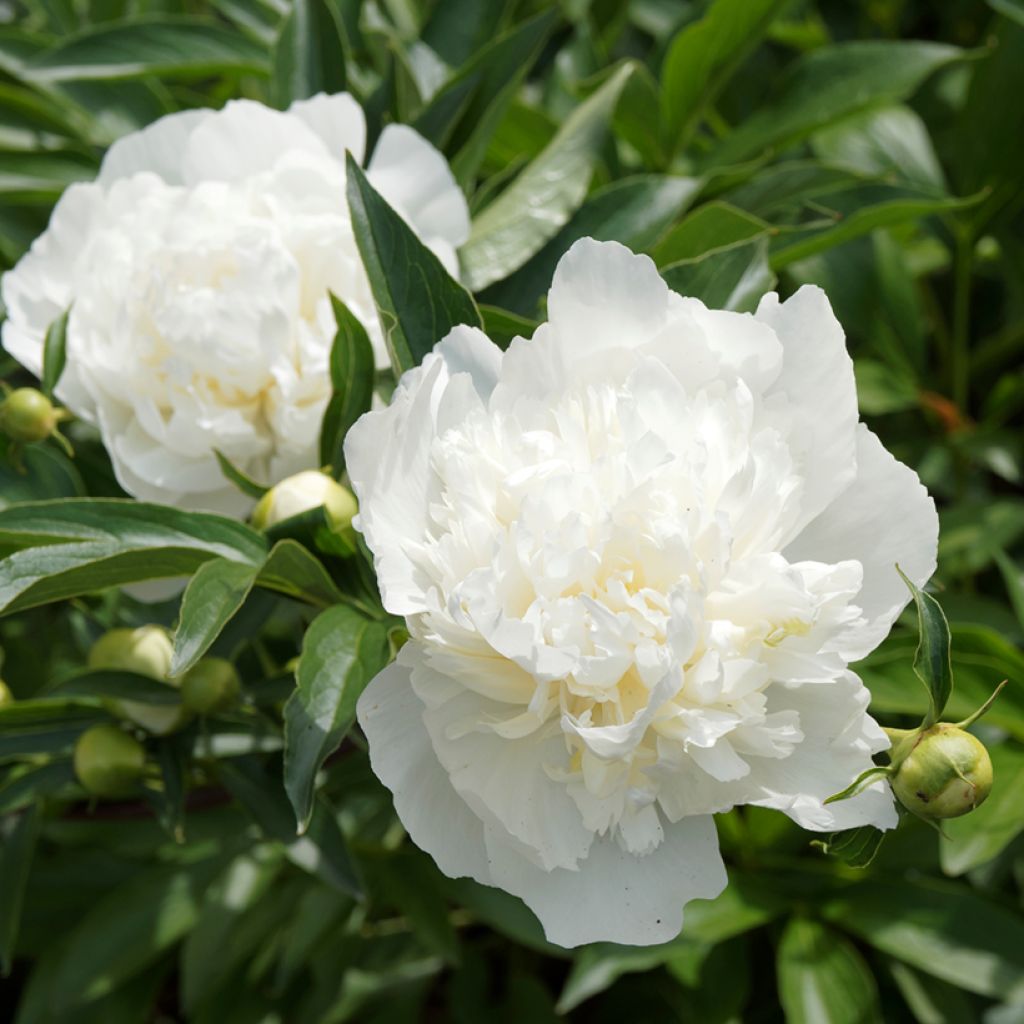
{"x": 635, "y": 555}
{"x": 199, "y": 264}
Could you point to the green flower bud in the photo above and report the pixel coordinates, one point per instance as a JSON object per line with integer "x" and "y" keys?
{"x": 302, "y": 493}
{"x": 6, "y": 697}
{"x": 941, "y": 772}
{"x": 212, "y": 685}
{"x": 27, "y": 415}
{"x": 148, "y": 651}
{"x": 109, "y": 762}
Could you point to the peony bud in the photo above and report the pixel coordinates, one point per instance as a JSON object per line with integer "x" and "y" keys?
{"x": 147, "y": 651}
{"x": 109, "y": 762}
{"x": 212, "y": 685}
{"x": 941, "y": 772}
{"x": 302, "y": 493}
{"x": 6, "y": 697}
{"x": 27, "y": 416}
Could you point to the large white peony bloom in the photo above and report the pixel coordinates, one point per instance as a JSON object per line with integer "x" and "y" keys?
{"x": 199, "y": 265}
{"x": 635, "y": 554}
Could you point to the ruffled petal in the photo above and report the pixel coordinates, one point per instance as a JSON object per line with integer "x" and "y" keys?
{"x": 884, "y": 517}
{"x": 338, "y": 122}
{"x": 615, "y": 896}
{"x": 158, "y": 148}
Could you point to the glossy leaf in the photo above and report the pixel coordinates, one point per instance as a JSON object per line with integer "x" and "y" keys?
{"x": 17, "y": 845}
{"x": 417, "y": 300}
{"x": 54, "y": 354}
{"x": 544, "y": 195}
{"x": 932, "y": 663}
{"x": 308, "y": 54}
{"x": 731, "y": 278}
{"x": 822, "y": 977}
{"x": 352, "y": 375}
{"x": 292, "y": 570}
{"x": 212, "y": 598}
{"x": 341, "y": 653}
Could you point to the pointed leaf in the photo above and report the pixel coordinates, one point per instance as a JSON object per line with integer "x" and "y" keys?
{"x": 932, "y": 663}
{"x": 54, "y": 354}
{"x": 16, "y": 849}
{"x": 309, "y": 54}
{"x": 417, "y": 300}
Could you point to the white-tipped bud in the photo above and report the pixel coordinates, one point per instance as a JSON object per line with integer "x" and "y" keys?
{"x": 302, "y": 493}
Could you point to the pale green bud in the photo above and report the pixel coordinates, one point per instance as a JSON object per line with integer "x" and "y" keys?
{"x": 210, "y": 686}
{"x": 148, "y": 651}
{"x": 109, "y": 762}
{"x": 6, "y": 697}
{"x": 302, "y": 493}
{"x": 941, "y": 772}
{"x": 27, "y": 415}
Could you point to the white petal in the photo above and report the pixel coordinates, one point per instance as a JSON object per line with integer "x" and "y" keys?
{"x": 386, "y": 456}
{"x": 505, "y": 781}
{"x": 337, "y": 120}
{"x": 840, "y": 738}
{"x": 435, "y": 816}
{"x": 417, "y": 181}
{"x": 468, "y": 350}
{"x": 884, "y": 518}
{"x": 817, "y": 378}
{"x": 158, "y": 148}
{"x": 244, "y": 139}
{"x": 616, "y": 896}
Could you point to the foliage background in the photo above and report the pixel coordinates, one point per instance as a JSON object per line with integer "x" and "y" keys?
{"x": 875, "y": 147}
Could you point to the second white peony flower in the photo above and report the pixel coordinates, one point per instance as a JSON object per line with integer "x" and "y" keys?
{"x": 636, "y": 554}
{"x": 198, "y": 268}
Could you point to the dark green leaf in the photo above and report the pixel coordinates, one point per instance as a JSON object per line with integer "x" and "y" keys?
{"x": 417, "y": 300}
{"x": 309, "y": 53}
{"x": 113, "y": 684}
{"x": 932, "y": 663}
{"x": 857, "y": 847}
{"x": 733, "y": 278}
{"x": 702, "y": 58}
{"x": 18, "y": 846}
{"x": 942, "y": 929}
{"x": 341, "y": 653}
{"x": 212, "y": 598}
{"x": 822, "y": 977}
{"x": 164, "y": 46}
{"x": 352, "y": 376}
{"x": 293, "y": 570}
{"x": 67, "y": 548}
{"x": 244, "y": 483}
{"x": 834, "y": 82}
{"x": 54, "y": 354}
{"x": 710, "y": 228}
{"x": 31, "y": 786}
{"x": 542, "y": 198}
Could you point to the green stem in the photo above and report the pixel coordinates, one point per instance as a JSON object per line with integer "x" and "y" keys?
{"x": 961, "y": 342}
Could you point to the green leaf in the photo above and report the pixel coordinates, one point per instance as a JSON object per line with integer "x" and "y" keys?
{"x": 47, "y": 473}
{"x": 66, "y": 548}
{"x": 165, "y": 46}
{"x": 27, "y": 786}
{"x": 979, "y": 837}
{"x": 54, "y": 353}
{"x": 212, "y": 598}
{"x": 352, "y": 377}
{"x": 502, "y": 326}
{"x": 932, "y": 1001}
{"x": 733, "y": 278}
{"x": 292, "y": 570}
{"x": 1013, "y": 580}
{"x": 857, "y": 847}
{"x": 822, "y": 978}
{"x": 634, "y": 211}
{"x": 168, "y": 800}
{"x": 932, "y": 663}
{"x": 244, "y": 483}
{"x": 16, "y": 850}
{"x": 942, "y": 929}
{"x": 114, "y": 684}
{"x": 108, "y": 946}
{"x": 834, "y": 82}
{"x": 702, "y": 58}
{"x": 309, "y": 54}
{"x": 417, "y": 300}
{"x": 541, "y": 199}
{"x": 321, "y": 850}
{"x": 708, "y": 229}
{"x": 341, "y": 652}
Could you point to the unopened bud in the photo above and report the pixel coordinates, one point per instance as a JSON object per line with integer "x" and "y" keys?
{"x": 27, "y": 415}
{"x": 941, "y": 772}
{"x": 302, "y": 493}
{"x": 6, "y": 697}
{"x": 210, "y": 686}
{"x": 148, "y": 651}
{"x": 109, "y": 762}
